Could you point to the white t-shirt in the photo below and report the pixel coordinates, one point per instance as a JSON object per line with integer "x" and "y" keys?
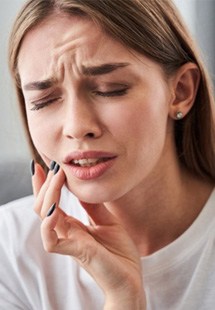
{"x": 180, "y": 276}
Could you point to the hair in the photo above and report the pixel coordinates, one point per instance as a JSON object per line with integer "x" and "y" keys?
{"x": 150, "y": 27}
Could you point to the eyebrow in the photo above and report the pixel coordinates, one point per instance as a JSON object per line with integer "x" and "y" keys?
{"x": 88, "y": 71}
{"x": 103, "y": 69}
{"x": 40, "y": 85}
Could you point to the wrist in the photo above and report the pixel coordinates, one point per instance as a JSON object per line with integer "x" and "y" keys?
{"x": 125, "y": 305}
{"x": 125, "y": 301}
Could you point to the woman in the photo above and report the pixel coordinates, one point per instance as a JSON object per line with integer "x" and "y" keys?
{"x": 116, "y": 101}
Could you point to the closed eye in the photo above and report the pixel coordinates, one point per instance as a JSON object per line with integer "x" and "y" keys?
{"x": 114, "y": 93}
{"x": 39, "y": 105}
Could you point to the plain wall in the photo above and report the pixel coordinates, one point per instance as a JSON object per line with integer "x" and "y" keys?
{"x": 12, "y": 138}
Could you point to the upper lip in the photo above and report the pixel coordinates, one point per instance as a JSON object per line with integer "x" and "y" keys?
{"x": 76, "y": 155}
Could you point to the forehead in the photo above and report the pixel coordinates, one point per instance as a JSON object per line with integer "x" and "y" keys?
{"x": 63, "y": 38}
{"x": 59, "y": 30}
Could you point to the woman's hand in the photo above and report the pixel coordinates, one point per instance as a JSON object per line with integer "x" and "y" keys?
{"x": 104, "y": 249}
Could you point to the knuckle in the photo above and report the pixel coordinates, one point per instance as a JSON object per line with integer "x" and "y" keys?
{"x": 49, "y": 248}
{"x": 84, "y": 259}
{"x": 37, "y": 208}
{"x": 87, "y": 255}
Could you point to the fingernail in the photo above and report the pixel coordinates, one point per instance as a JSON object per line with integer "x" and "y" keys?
{"x": 56, "y": 168}
{"x": 32, "y": 167}
{"x": 52, "y": 165}
{"x": 51, "y": 210}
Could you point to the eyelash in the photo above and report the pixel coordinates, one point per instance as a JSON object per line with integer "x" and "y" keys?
{"x": 120, "y": 92}
{"x": 38, "y": 106}
{"x": 113, "y": 93}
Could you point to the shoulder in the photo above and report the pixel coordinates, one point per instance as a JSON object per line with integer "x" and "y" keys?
{"x": 17, "y": 219}
{"x": 17, "y": 209}
{"x": 17, "y": 205}
{"x": 206, "y": 218}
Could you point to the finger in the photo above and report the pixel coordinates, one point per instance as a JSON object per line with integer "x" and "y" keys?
{"x": 53, "y": 192}
{"x": 73, "y": 244}
{"x": 49, "y": 235}
{"x": 41, "y": 183}
{"x": 38, "y": 177}
{"x": 62, "y": 220}
{"x": 99, "y": 214}
{"x": 42, "y": 187}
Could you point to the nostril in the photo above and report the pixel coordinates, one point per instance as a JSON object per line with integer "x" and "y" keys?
{"x": 90, "y": 135}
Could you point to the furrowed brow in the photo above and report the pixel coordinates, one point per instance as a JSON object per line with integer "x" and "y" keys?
{"x": 39, "y": 85}
{"x": 89, "y": 71}
{"x": 103, "y": 69}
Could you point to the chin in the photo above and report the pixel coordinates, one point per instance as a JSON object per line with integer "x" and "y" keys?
{"x": 93, "y": 194}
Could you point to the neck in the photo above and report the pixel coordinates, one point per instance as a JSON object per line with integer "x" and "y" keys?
{"x": 159, "y": 211}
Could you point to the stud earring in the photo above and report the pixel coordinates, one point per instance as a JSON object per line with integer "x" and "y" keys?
{"x": 179, "y": 115}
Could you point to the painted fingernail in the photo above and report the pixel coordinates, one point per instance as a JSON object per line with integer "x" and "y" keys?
{"x": 51, "y": 210}
{"x": 52, "y": 165}
{"x": 56, "y": 168}
{"x": 32, "y": 167}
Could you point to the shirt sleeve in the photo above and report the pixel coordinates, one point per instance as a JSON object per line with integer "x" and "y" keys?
{"x": 11, "y": 292}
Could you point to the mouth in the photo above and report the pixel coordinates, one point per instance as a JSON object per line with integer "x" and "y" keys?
{"x": 89, "y": 165}
{"x": 88, "y": 162}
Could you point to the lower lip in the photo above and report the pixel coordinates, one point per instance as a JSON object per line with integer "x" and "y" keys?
{"x": 93, "y": 172}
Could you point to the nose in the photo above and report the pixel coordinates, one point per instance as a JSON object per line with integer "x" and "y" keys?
{"x": 80, "y": 120}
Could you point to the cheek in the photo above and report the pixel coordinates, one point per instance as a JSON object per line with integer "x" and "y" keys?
{"x": 137, "y": 121}
{"x": 142, "y": 132}
{"x": 43, "y": 133}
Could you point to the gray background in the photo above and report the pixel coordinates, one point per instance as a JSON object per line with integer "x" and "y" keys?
{"x": 199, "y": 15}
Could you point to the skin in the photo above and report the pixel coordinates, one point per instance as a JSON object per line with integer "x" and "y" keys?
{"x": 146, "y": 178}
{"x": 79, "y": 112}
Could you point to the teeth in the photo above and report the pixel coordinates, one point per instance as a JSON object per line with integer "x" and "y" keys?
{"x": 86, "y": 162}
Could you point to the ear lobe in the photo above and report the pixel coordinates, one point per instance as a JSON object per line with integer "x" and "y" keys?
{"x": 185, "y": 86}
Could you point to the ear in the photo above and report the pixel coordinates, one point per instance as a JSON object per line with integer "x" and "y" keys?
{"x": 185, "y": 84}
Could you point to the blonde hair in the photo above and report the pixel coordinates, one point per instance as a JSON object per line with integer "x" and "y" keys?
{"x": 152, "y": 28}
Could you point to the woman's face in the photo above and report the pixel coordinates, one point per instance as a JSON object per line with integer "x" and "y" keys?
{"x": 94, "y": 107}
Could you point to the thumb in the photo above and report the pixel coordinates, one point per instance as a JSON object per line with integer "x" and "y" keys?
{"x": 99, "y": 214}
